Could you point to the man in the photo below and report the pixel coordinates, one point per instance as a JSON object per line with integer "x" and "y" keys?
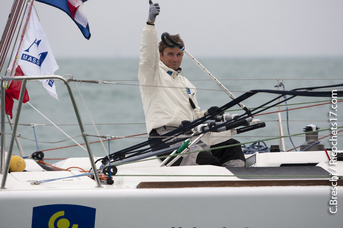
{"x": 169, "y": 98}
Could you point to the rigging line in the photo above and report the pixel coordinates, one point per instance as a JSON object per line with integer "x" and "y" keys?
{"x": 172, "y": 87}
{"x": 309, "y": 89}
{"x": 112, "y": 81}
{"x": 309, "y": 102}
{"x": 22, "y": 37}
{"x": 287, "y": 116}
{"x": 10, "y": 29}
{"x": 211, "y": 175}
{"x": 56, "y": 126}
{"x": 263, "y": 109}
{"x": 292, "y": 109}
{"x": 102, "y": 124}
{"x": 306, "y": 92}
{"x": 124, "y": 124}
{"x": 294, "y": 93}
{"x": 17, "y": 36}
{"x": 90, "y": 116}
{"x": 127, "y": 84}
{"x": 115, "y": 138}
{"x": 7, "y": 33}
{"x": 61, "y": 141}
{"x": 153, "y": 86}
{"x": 322, "y": 138}
{"x": 267, "y": 79}
{"x": 248, "y": 136}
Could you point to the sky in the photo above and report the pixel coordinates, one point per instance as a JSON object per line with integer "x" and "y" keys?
{"x": 216, "y": 28}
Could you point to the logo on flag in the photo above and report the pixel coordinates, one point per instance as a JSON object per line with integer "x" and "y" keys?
{"x": 32, "y": 59}
{"x": 35, "y": 55}
{"x": 76, "y": 10}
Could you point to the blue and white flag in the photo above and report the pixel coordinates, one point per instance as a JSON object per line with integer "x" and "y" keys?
{"x": 76, "y": 11}
{"x": 35, "y": 56}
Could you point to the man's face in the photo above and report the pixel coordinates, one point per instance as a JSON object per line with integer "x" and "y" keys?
{"x": 172, "y": 57}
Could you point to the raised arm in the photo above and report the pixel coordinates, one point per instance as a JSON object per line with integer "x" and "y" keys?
{"x": 149, "y": 54}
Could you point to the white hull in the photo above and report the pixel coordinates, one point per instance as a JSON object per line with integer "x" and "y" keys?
{"x": 144, "y": 195}
{"x": 184, "y": 207}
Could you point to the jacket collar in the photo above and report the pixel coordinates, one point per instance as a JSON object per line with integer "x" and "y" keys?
{"x": 171, "y": 72}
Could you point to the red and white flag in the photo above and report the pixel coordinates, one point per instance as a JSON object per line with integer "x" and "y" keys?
{"x": 35, "y": 56}
{"x": 78, "y": 12}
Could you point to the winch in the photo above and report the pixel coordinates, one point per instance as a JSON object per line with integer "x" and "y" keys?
{"x": 312, "y": 143}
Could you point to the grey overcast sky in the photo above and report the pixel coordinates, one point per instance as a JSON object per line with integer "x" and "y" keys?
{"x": 209, "y": 28}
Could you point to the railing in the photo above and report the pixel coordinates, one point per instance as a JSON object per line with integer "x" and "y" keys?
{"x": 4, "y": 166}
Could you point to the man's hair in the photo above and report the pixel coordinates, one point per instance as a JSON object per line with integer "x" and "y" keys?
{"x": 176, "y": 37}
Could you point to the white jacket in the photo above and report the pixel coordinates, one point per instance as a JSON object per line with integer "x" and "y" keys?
{"x": 165, "y": 93}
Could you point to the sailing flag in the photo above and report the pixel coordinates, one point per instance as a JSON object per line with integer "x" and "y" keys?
{"x": 76, "y": 10}
{"x": 13, "y": 92}
{"x": 34, "y": 57}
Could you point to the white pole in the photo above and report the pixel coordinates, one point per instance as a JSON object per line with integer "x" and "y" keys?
{"x": 281, "y": 139}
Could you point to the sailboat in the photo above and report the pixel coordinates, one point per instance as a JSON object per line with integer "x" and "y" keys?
{"x": 132, "y": 187}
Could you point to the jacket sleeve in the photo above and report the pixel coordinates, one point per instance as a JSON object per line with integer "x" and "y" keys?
{"x": 149, "y": 56}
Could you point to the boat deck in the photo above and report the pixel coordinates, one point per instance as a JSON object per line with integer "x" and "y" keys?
{"x": 267, "y": 169}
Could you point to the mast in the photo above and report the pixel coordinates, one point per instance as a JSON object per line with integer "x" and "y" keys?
{"x": 7, "y": 40}
{"x": 14, "y": 18}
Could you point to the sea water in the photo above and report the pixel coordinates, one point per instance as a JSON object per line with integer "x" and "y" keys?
{"x": 114, "y": 104}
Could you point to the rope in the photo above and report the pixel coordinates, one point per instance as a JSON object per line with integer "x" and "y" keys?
{"x": 49, "y": 142}
{"x": 205, "y": 79}
{"x": 114, "y": 138}
{"x": 9, "y": 31}
{"x": 292, "y": 109}
{"x": 228, "y": 175}
{"x": 109, "y": 157}
{"x": 198, "y": 88}
{"x": 61, "y": 169}
{"x": 34, "y": 132}
{"x": 90, "y": 116}
{"x": 310, "y": 146}
{"x": 22, "y": 37}
{"x": 138, "y": 85}
{"x": 61, "y": 178}
{"x": 322, "y": 137}
{"x": 309, "y": 102}
{"x": 56, "y": 126}
{"x": 287, "y": 117}
{"x": 256, "y": 147}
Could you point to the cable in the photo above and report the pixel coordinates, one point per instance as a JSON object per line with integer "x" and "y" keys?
{"x": 287, "y": 116}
